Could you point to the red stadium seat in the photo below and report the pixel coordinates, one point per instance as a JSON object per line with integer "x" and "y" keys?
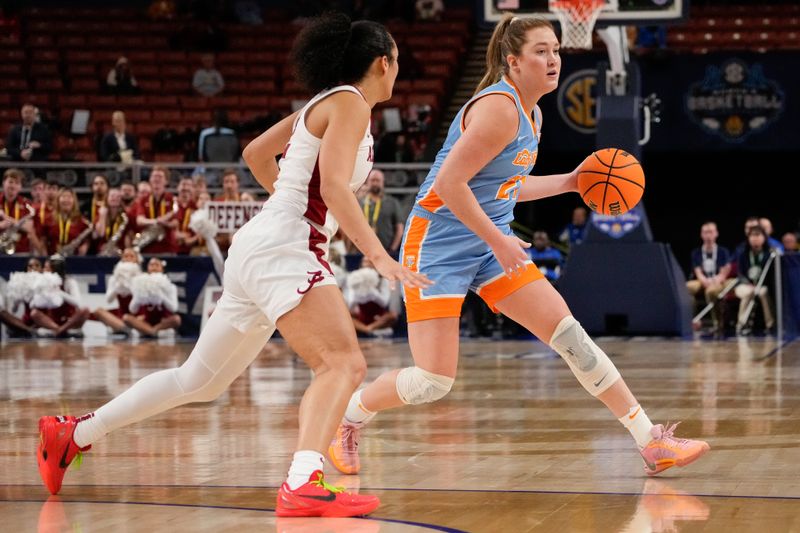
{"x": 197, "y": 117}
{"x": 12, "y": 54}
{"x": 15, "y": 85}
{"x": 81, "y": 70}
{"x": 167, "y": 115}
{"x": 72, "y": 101}
{"x": 236, "y": 86}
{"x": 255, "y": 105}
{"x": 44, "y": 54}
{"x": 162, "y": 101}
{"x": 194, "y": 102}
{"x": 85, "y": 85}
{"x": 43, "y": 70}
{"x": 424, "y": 99}
{"x": 176, "y": 86}
{"x": 150, "y": 86}
{"x": 262, "y": 72}
{"x": 40, "y": 40}
{"x": 8, "y": 70}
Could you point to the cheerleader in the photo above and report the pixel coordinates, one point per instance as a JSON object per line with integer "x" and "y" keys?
{"x": 154, "y": 302}
{"x": 19, "y": 291}
{"x": 56, "y": 304}
{"x": 119, "y": 288}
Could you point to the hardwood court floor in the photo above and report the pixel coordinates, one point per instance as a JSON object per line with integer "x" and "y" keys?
{"x": 517, "y": 446}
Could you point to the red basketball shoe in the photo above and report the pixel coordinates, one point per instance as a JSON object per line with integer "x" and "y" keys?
{"x": 56, "y": 449}
{"x": 317, "y": 498}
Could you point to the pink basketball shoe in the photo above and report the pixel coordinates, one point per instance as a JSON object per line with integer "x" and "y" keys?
{"x": 665, "y": 450}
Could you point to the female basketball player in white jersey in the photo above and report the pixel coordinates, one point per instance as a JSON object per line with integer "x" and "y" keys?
{"x": 276, "y": 274}
{"x": 458, "y": 235}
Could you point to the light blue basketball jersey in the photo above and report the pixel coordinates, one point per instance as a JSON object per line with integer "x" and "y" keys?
{"x": 496, "y": 186}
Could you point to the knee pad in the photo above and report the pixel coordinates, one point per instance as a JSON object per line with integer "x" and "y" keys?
{"x": 416, "y": 386}
{"x": 588, "y": 362}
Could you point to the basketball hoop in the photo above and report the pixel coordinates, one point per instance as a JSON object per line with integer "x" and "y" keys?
{"x": 577, "y": 18}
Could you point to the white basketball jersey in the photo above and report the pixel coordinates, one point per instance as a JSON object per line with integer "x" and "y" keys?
{"x": 298, "y": 185}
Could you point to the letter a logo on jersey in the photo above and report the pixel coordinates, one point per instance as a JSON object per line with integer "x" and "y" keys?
{"x": 523, "y": 159}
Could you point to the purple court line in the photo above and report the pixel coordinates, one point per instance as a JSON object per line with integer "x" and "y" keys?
{"x": 432, "y": 527}
{"x": 396, "y": 489}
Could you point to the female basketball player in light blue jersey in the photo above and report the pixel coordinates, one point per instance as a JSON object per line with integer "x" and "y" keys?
{"x": 458, "y": 235}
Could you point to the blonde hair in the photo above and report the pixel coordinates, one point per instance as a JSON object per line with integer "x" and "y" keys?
{"x": 508, "y": 39}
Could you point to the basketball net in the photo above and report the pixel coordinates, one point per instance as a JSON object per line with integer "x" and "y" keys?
{"x": 577, "y": 18}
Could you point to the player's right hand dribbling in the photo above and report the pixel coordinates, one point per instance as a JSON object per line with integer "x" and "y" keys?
{"x": 394, "y": 271}
{"x": 510, "y": 253}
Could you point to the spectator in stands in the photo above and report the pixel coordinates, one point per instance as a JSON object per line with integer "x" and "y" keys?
{"x": 120, "y": 80}
{"x": 383, "y": 213}
{"x": 219, "y": 143}
{"x": 118, "y": 288}
{"x": 91, "y": 208}
{"x": 118, "y": 144}
{"x": 128, "y": 191}
{"x": 29, "y": 140}
{"x": 789, "y": 241}
{"x": 184, "y": 236}
{"x": 230, "y": 193}
{"x": 548, "y": 259}
{"x": 37, "y": 191}
{"x": 56, "y": 307}
{"x": 155, "y": 302}
{"x": 248, "y": 196}
{"x": 749, "y": 223}
{"x": 200, "y": 186}
{"x": 766, "y": 223}
{"x": 428, "y": 10}
{"x": 751, "y": 265}
{"x": 45, "y": 210}
{"x": 207, "y": 80}
{"x": 155, "y": 216}
{"x": 110, "y": 226}
{"x": 15, "y": 209}
{"x": 575, "y": 232}
{"x": 202, "y": 199}
{"x": 367, "y": 295}
{"x": 711, "y": 265}
{"x": 230, "y": 187}
{"x": 67, "y": 226}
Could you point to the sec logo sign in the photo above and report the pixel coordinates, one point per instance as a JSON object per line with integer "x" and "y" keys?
{"x": 577, "y": 100}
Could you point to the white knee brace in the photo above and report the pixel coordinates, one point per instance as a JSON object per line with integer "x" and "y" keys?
{"x": 415, "y": 386}
{"x": 587, "y": 361}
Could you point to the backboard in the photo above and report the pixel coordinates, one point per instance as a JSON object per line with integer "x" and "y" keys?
{"x": 616, "y": 12}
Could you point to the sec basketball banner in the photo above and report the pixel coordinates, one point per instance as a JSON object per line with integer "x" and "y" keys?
{"x": 230, "y": 216}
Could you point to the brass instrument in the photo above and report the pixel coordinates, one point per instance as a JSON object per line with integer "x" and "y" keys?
{"x": 9, "y": 237}
{"x": 69, "y": 248}
{"x": 110, "y": 248}
{"x": 149, "y": 235}
{"x": 153, "y": 233}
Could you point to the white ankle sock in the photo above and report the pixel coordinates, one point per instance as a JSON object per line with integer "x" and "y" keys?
{"x": 356, "y": 413}
{"x": 88, "y": 430}
{"x": 304, "y": 463}
{"x": 639, "y": 425}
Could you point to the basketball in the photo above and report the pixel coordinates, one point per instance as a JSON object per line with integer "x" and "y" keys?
{"x": 611, "y": 181}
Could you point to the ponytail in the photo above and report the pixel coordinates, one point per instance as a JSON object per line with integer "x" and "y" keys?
{"x": 495, "y": 60}
{"x": 508, "y": 38}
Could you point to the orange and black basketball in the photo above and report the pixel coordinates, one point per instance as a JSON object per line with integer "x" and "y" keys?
{"x": 611, "y": 181}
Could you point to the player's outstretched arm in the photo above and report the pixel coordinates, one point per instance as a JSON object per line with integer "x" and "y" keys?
{"x": 536, "y": 187}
